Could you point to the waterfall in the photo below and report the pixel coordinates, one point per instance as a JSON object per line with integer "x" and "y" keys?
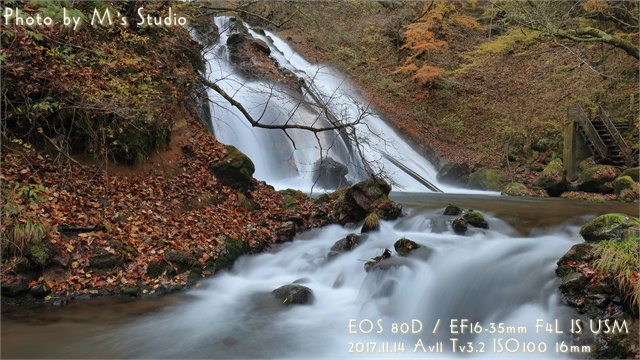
{"x": 289, "y": 159}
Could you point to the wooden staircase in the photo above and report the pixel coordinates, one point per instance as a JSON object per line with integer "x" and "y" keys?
{"x": 602, "y": 136}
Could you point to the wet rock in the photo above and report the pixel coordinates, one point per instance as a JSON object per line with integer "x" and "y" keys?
{"x": 293, "y": 294}
{"x": 289, "y": 203}
{"x": 574, "y": 281}
{"x": 596, "y": 300}
{"x": 182, "y": 260}
{"x": 598, "y": 179}
{"x": 15, "y": 288}
{"x": 104, "y": 259}
{"x": 452, "y": 210}
{"x": 387, "y": 289}
{"x": 286, "y": 231}
{"x": 156, "y": 269}
{"x": 385, "y": 264}
{"x": 454, "y": 173}
{"x": 371, "y": 223}
{"x": 476, "y": 219}
{"x": 582, "y": 252}
{"x": 487, "y": 179}
{"x": 348, "y": 243}
{"x": 405, "y": 246}
{"x": 354, "y": 203}
{"x": 459, "y": 226}
{"x": 331, "y": 174}
{"x": 552, "y": 178}
{"x": 234, "y": 170}
{"x": 515, "y": 189}
{"x": 40, "y": 290}
{"x": 607, "y": 227}
{"x": 634, "y": 173}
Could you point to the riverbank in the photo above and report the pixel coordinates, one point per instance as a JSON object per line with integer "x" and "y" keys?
{"x": 80, "y": 231}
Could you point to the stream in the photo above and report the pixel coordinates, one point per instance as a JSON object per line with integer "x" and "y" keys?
{"x": 491, "y": 293}
{"x": 500, "y": 282}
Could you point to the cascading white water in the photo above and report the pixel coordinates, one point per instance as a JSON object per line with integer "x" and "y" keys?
{"x": 494, "y": 278}
{"x": 277, "y": 160}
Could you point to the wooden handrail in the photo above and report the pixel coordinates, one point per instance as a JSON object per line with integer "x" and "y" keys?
{"x": 591, "y": 132}
{"x": 615, "y": 134}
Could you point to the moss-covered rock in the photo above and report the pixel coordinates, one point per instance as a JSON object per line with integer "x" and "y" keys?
{"x": 293, "y": 294}
{"x": 598, "y": 179}
{"x": 581, "y": 252}
{"x": 626, "y": 189}
{"x": 105, "y": 259}
{"x": 349, "y": 242}
{"x": 515, "y": 189}
{"x": 292, "y": 192}
{"x": 404, "y": 246}
{"x": 454, "y": 173}
{"x": 634, "y": 173}
{"x": 607, "y": 227}
{"x": 476, "y": 219}
{"x": 552, "y": 178}
{"x": 459, "y": 226}
{"x": 452, "y": 210}
{"x": 156, "y": 269}
{"x": 234, "y": 170}
{"x": 289, "y": 203}
{"x": 487, "y": 179}
{"x": 231, "y": 249}
{"x": 369, "y": 196}
{"x": 371, "y": 223}
{"x": 322, "y": 198}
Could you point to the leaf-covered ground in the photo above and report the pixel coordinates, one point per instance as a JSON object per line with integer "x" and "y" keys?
{"x": 142, "y": 216}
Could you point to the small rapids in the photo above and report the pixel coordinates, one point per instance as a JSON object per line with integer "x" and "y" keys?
{"x": 500, "y": 282}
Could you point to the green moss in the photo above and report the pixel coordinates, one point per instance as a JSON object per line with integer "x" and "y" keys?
{"x": 515, "y": 189}
{"x": 292, "y": 192}
{"x": 323, "y": 198}
{"x": 596, "y": 199}
{"x": 487, "y": 179}
{"x": 607, "y": 227}
{"x": 452, "y": 210}
{"x": 371, "y": 223}
{"x": 38, "y": 253}
{"x": 230, "y": 251}
{"x": 289, "y": 203}
{"x": 626, "y": 189}
{"x": 475, "y": 218}
{"x": 634, "y": 173}
{"x": 404, "y": 246}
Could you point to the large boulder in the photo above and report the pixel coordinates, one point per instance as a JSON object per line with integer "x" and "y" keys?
{"x": 293, "y": 294}
{"x": 626, "y": 189}
{"x": 454, "y": 173}
{"x": 552, "y": 178}
{"x": 354, "y": 203}
{"x": 331, "y": 174}
{"x": 598, "y": 179}
{"x": 487, "y": 179}
{"x": 607, "y": 227}
{"x": 476, "y": 219}
{"x": 515, "y": 189}
{"x": 234, "y": 170}
{"x": 634, "y": 173}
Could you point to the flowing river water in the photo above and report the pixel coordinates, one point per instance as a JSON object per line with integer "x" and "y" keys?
{"x": 500, "y": 280}
{"x": 492, "y": 293}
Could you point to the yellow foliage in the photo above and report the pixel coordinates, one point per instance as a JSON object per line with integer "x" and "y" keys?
{"x": 429, "y": 34}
